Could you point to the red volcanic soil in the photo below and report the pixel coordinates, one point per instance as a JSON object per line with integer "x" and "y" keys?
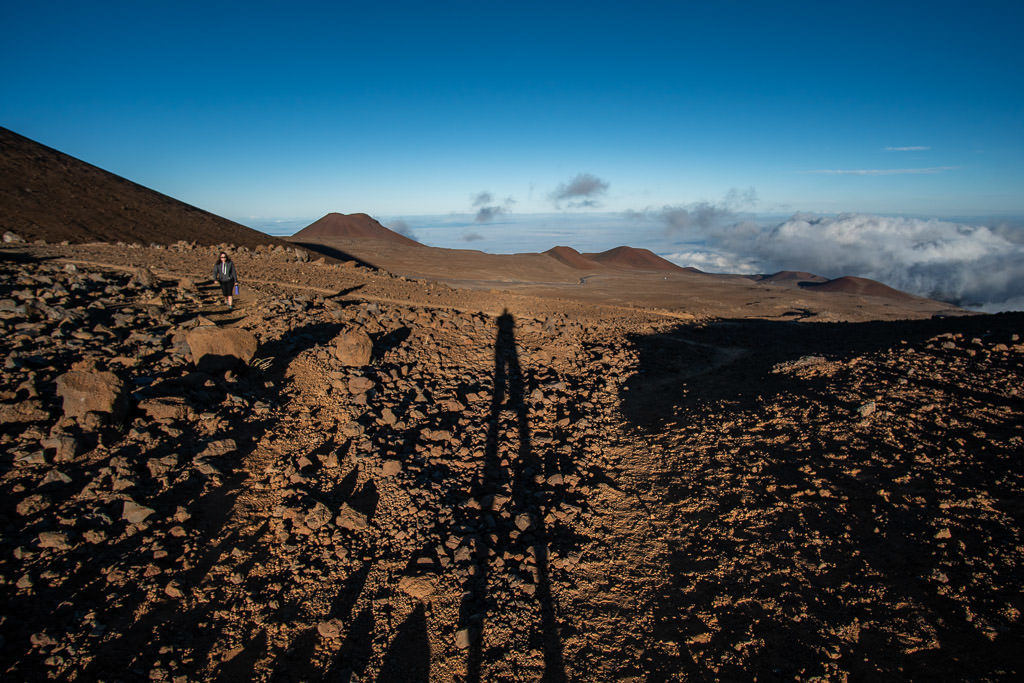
{"x": 572, "y": 258}
{"x": 791, "y": 277}
{"x": 636, "y": 259}
{"x": 859, "y": 286}
{"x": 48, "y": 195}
{"x": 350, "y": 226}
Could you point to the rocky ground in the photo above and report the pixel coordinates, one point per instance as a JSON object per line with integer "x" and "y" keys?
{"x": 402, "y": 481}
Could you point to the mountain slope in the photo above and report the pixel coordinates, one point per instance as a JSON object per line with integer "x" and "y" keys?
{"x": 349, "y": 226}
{"x": 46, "y": 194}
{"x": 635, "y": 259}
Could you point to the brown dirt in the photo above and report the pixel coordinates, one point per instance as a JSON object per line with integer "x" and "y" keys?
{"x": 543, "y": 473}
{"x": 568, "y": 491}
{"x": 677, "y": 291}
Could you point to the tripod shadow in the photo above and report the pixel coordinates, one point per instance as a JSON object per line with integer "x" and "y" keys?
{"x": 508, "y": 479}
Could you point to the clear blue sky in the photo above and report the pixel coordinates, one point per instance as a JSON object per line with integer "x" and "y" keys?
{"x": 285, "y": 109}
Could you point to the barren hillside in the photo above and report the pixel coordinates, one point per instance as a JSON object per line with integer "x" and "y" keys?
{"x": 506, "y": 488}
{"x": 48, "y": 195}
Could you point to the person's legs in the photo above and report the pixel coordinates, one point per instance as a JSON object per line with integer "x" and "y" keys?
{"x": 226, "y": 289}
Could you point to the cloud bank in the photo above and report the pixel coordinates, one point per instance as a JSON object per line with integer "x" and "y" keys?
{"x": 580, "y": 193}
{"x": 974, "y": 266}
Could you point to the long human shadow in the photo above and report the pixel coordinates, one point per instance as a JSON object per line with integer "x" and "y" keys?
{"x": 524, "y": 528}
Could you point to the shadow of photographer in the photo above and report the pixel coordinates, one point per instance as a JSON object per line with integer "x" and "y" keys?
{"x": 508, "y": 477}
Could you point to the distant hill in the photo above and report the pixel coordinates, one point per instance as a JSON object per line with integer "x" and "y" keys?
{"x": 635, "y": 259}
{"x": 790, "y": 277}
{"x": 572, "y": 258}
{"x": 46, "y": 194}
{"x": 858, "y": 285}
{"x": 349, "y": 226}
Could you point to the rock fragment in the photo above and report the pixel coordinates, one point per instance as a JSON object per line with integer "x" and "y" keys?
{"x": 419, "y": 587}
{"x": 351, "y": 519}
{"x": 58, "y": 540}
{"x": 318, "y": 516}
{"x": 221, "y": 348}
{"x": 134, "y": 513}
{"x": 330, "y": 629}
{"x": 353, "y": 348}
{"x": 91, "y": 392}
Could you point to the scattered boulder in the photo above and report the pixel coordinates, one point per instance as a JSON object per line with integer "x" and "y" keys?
{"x": 144, "y": 277}
{"x": 221, "y": 348}
{"x": 318, "y": 516}
{"x": 353, "y": 347}
{"x": 351, "y": 519}
{"x": 330, "y": 629}
{"x": 12, "y": 238}
{"x": 65, "y": 447}
{"x": 169, "y": 408}
{"x": 465, "y": 637}
{"x": 58, "y": 540}
{"x": 23, "y": 411}
{"x": 360, "y": 385}
{"x": 33, "y": 504}
{"x": 419, "y": 587}
{"x": 91, "y": 392}
{"x": 134, "y": 513}
{"x": 867, "y": 409}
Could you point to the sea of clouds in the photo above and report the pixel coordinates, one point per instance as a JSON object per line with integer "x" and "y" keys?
{"x": 975, "y": 266}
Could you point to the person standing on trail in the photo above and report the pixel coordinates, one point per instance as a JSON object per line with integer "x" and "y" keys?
{"x": 224, "y": 273}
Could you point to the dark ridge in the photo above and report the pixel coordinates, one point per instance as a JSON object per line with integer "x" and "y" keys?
{"x": 48, "y": 195}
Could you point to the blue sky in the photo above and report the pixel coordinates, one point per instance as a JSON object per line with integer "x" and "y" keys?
{"x": 272, "y": 109}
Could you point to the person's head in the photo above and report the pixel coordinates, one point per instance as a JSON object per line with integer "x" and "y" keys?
{"x": 223, "y": 257}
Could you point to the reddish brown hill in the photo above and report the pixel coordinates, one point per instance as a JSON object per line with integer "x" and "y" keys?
{"x": 46, "y": 194}
{"x": 572, "y": 258}
{"x": 634, "y": 259}
{"x": 349, "y": 226}
{"x": 790, "y": 277}
{"x": 859, "y": 286}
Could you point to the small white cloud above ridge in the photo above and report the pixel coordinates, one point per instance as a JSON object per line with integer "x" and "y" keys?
{"x": 882, "y": 171}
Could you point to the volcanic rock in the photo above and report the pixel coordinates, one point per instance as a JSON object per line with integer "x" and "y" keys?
{"x": 419, "y": 587}
{"x": 58, "y": 540}
{"x": 353, "y": 348}
{"x": 135, "y": 513}
{"x": 351, "y": 519}
{"x": 91, "y": 392}
{"x": 221, "y": 348}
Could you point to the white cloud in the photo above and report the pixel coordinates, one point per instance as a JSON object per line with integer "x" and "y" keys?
{"x": 971, "y": 265}
{"x": 713, "y": 261}
{"x": 883, "y": 171}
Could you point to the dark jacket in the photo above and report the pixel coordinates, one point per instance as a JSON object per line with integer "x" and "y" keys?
{"x": 224, "y": 272}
